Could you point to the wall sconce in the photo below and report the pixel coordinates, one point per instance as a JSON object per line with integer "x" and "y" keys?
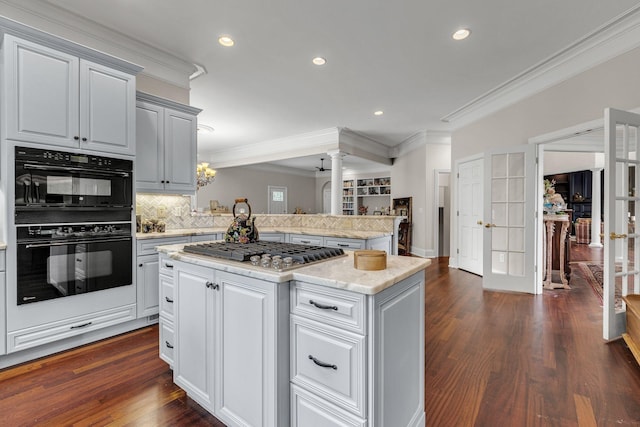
{"x": 204, "y": 174}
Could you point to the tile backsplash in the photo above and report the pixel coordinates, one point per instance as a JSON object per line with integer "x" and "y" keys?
{"x": 177, "y": 215}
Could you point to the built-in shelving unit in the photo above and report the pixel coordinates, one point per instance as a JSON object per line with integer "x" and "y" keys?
{"x": 348, "y": 201}
{"x": 374, "y": 193}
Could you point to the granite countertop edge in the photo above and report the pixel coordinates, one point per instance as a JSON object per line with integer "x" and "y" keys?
{"x": 347, "y": 234}
{"x": 336, "y": 273}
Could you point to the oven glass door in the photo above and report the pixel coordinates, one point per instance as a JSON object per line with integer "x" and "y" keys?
{"x": 51, "y": 185}
{"x": 48, "y": 270}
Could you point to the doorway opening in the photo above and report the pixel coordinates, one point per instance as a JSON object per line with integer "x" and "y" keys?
{"x": 442, "y": 212}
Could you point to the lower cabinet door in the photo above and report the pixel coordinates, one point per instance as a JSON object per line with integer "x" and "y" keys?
{"x": 246, "y": 354}
{"x": 308, "y": 410}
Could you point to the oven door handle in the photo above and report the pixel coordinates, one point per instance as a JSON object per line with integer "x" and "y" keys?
{"x": 74, "y": 242}
{"x": 76, "y": 169}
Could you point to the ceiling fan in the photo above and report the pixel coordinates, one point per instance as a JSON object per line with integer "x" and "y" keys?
{"x": 321, "y": 168}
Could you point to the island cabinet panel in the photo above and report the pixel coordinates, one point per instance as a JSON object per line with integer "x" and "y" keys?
{"x": 231, "y": 351}
{"x": 56, "y": 98}
{"x": 147, "y": 285}
{"x": 194, "y": 332}
{"x": 3, "y": 325}
{"x": 307, "y": 410}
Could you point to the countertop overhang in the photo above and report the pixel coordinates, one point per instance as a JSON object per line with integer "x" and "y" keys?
{"x": 334, "y": 273}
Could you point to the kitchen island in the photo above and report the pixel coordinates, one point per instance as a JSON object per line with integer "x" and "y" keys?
{"x": 323, "y": 344}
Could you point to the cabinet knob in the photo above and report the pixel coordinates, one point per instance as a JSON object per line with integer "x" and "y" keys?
{"x": 84, "y": 139}
{"x": 139, "y": 265}
{"x": 76, "y": 138}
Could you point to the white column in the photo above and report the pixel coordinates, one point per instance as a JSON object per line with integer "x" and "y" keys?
{"x": 336, "y": 181}
{"x": 596, "y": 214}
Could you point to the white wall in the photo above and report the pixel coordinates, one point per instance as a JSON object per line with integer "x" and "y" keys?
{"x": 412, "y": 175}
{"x": 252, "y": 182}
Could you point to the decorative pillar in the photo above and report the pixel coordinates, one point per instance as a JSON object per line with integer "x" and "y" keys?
{"x": 336, "y": 181}
{"x": 596, "y": 213}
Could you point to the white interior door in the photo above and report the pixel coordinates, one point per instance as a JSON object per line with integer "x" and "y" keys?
{"x": 621, "y": 247}
{"x": 509, "y": 219}
{"x": 470, "y": 214}
{"x": 277, "y": 200}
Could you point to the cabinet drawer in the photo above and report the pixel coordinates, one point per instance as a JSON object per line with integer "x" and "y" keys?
{"x": 43, "y": 334}
{"x": 310, "y": 410}
{"x": 166, "y": 265}
{"x": 336, "y": 307}
{"x": 350, "y": 244}
{"x": 166, "y": 297}
{"x": 303, "y": 239}
{"x": 330, "y": 363}
{"x": 166, "y": 341}
{"x": 272, "y": 237}
{"x": 148, "y": 246}
{"x": 205, "y": 237}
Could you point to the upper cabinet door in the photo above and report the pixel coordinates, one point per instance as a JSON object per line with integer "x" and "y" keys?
{"x": 41, "y": 89}
{"x": 107, "y": 109}
{"x": 149, "y": 147}
{"x": 180, "y": 150}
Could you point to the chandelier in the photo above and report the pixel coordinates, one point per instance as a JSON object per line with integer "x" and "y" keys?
{"x": 204, "y": 174}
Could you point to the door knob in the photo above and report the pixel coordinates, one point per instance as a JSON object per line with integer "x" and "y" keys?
{"x": 479, "y": 222}
{"x": 614, "y": 236}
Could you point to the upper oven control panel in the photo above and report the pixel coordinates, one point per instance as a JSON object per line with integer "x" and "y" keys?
{"x": 62, "y": 158}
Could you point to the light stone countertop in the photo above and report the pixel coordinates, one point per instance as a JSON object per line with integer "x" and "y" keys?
{"x": 348, "y": 234}
{"x": 334, "y": 273}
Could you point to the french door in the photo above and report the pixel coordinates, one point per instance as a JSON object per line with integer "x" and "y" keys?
{"x": 621, "y": 242}
{"x": 509, "y": 219}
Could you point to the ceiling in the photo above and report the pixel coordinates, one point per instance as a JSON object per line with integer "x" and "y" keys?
{"x": 398, "y": 57}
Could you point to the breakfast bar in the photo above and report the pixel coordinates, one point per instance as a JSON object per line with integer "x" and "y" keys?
{"x": 317, "y": 344}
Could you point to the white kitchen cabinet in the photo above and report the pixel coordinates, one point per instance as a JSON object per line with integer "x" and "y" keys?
{"x": 381, "y": 244}
{"x": 358, "y": 359}
{"x": 306, "y": 239}
{"x": 3, "y": 305}
{"x": 167, "y": 309}
{"x": 344, "y": 243}
{"x": 273, "y": 237}
{"x": 206, "y": 237}
{"x": 147, "y": 273}
{"x": 166, "y": 149}
{"x": 147, "y": 285}
{"x": 194, "y": 332}
{"x": 231, "y": 331}
{"x": 57, "y": 97}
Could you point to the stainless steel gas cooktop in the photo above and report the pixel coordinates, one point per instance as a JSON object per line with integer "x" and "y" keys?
{"x": 274, "y": 255}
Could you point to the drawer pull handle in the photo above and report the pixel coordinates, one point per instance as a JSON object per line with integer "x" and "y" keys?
{"x": 168, "y": 344}
{"x": 343, "y": 245}
{"x": 167, "y": 299}
{"x": 322, "y": 364}
{"x": 322, "y": 306}
{"x": 305, "y": 241}
{"x": 84, "y": 325}
{"x": 168, "y": 265}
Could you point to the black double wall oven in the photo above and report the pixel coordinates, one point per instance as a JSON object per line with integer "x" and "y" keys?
{"x": 73, "y": 223}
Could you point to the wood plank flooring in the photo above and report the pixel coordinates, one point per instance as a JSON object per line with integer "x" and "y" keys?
{"x": 492, "y": 359}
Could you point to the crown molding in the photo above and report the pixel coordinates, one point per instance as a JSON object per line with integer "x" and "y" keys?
{"x": 158, "y": 63}
{"x": 167, "y": 103}
{"x": 267, "y": 167}
{"x": 614, "y": 38}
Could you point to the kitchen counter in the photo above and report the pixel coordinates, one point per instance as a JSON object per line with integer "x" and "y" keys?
{"x": 348, "y": 234}
{"x": 336, "y": 273}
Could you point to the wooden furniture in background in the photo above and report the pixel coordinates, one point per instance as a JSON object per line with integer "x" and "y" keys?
{"x": 632, "y": 336}
{"x": 402, "y": 207}
{"x": 556, "y": 232}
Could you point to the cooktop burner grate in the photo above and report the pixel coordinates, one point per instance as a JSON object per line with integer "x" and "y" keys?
{"x": 301, "y": 254}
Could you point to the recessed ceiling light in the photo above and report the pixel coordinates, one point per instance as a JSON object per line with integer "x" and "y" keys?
{"x": 226, "y": 41}
{"x": 461, "y": 34}
{"x": 318, "y": 60}
{"x": 378, "y": 113}
{"x": 204, "y": 129}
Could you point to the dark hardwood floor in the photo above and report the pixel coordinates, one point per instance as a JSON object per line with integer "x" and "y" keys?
{"x": 493, "y": 359}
